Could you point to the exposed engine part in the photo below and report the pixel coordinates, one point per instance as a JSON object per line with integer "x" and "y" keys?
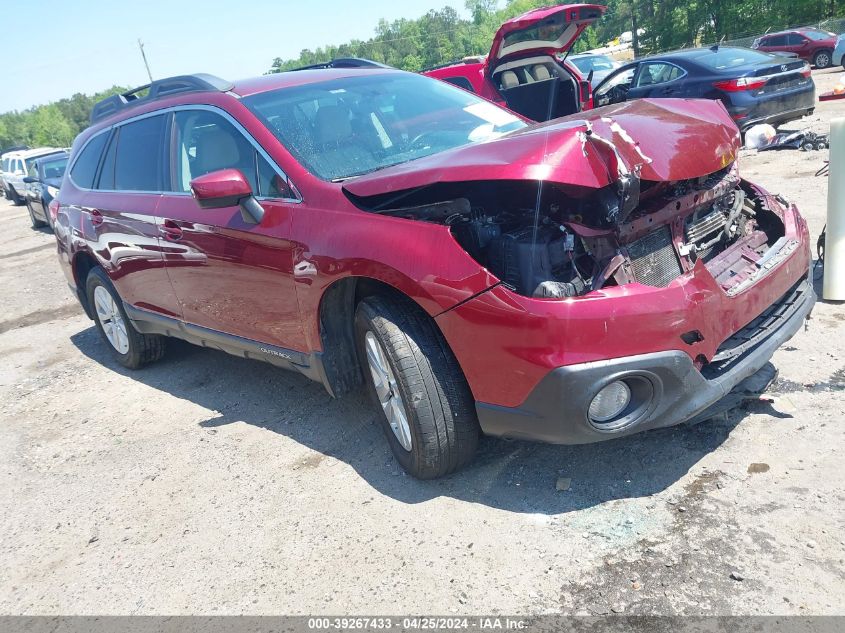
{"x": 720, "y": 223}
{"x": 537, "y": 262}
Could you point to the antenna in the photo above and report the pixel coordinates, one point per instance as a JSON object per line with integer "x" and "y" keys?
{"x": 144, "y": 56}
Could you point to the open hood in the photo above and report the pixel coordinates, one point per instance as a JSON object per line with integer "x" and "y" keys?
{"x": 656, "y": 140}
{"x": 547, "y": 30}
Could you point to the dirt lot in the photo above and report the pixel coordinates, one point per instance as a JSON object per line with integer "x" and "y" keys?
{"x": 210, "y": 484}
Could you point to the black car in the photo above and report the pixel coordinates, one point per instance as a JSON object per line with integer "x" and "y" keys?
{"x": 43, "y": 182}
{"x": 755, "y": 87}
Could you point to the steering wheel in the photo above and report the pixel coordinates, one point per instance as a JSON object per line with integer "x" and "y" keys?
{"x": 619, "y": 93}
{"x": 417, "y": 141}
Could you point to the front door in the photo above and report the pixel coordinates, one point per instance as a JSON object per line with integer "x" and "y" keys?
{"x": 229, "y": 275}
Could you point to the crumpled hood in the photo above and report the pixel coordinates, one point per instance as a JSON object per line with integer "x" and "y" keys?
{"x": 656, "y": 139}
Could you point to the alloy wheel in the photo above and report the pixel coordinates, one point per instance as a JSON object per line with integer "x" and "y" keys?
{"x": 110, "y": 318}
{"x": 387, "y": 391}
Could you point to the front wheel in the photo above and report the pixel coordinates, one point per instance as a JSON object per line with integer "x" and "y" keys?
{"x": 426, "y": 408}
{"x": 14, "y": 197}
{"x": 36, "y": 223}
{"x": 822, "y": 59}
{"x": 129, "y": 347}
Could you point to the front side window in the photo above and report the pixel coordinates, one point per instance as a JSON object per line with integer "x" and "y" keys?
{"x": 818, "y": 35}
{"x": 85, "y": 167}
{"x": 139, "y": 155}
{"x": 658, "y": 73}
{"x": 615, "y": 88}
{"x": 206, "y": 142}
{"x": 354, "y": 125}
{"x": 54, "y": 168}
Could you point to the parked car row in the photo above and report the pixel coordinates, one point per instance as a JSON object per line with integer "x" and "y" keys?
{"x": 19, "y": 171}
{"x": 529, "y": 71}
{"x": 812, "y": 45}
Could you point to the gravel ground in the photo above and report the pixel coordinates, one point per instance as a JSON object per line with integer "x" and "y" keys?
{"x": 210, "y": 484}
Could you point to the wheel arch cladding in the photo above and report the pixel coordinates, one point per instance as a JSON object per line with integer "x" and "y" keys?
{"x": 336, "y": 321}
{"x": 83, "y": 262}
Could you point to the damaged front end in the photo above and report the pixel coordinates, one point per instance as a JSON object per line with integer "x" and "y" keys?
{"x": 639, "y": 216}
{"x": 631, "y": 257}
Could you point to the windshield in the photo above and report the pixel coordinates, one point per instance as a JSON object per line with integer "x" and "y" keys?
{"x": 818, "y": 35}
{"x": 594, "y": 63}
{"x": 732, "y": 57}
{"x": 55, "y": 168}
{"x": 354, "y": 125}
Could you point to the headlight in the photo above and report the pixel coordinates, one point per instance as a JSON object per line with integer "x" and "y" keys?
{"x": 610, "y": 402}
{"x": 53, "y": 191}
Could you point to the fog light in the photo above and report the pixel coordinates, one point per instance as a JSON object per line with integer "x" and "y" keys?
{"x": 610, "y": 402}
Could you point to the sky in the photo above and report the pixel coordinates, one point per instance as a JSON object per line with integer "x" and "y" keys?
{"x": 90, "y": 45}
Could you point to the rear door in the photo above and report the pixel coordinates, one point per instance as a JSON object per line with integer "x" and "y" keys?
{"x": 230, "y": 276}
{"x": 121, "y": 210}
{"x": 775, "y": 44}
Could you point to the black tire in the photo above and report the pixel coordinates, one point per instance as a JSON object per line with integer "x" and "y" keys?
{"x": 823, "y": 59}
{"x": 143, "y": 348}
{"x": 36, "y": 223}
{"x": 440, "y": 407}
{"x": 14, "y": 197}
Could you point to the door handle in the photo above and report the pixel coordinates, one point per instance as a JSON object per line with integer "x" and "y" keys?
{"x": 171, "y": 231}
{"x": 96, "y": 217}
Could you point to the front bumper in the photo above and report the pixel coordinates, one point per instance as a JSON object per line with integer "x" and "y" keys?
{"x": 556, "y": 409}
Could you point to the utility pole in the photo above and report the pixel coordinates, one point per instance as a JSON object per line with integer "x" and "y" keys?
{"x": 144, "y": 56}
{"x": 635, "y": 38}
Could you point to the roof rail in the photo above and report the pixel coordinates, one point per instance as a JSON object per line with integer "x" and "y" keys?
{"x": 342, "y": 62}
{"x": 158, "y": 89}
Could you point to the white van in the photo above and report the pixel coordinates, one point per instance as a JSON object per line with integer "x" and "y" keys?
{"x": 15, "y": 166}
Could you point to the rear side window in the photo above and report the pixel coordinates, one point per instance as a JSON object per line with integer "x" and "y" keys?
{"x": 139, "y": 155}
{"x": 85, "y": 167}
{"x": 460, "y": 82}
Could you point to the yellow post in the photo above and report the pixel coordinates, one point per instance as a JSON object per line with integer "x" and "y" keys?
{"x": 834, "y": 246}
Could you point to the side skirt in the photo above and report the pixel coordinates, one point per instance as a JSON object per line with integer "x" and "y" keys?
{"x": 309, "y": 365}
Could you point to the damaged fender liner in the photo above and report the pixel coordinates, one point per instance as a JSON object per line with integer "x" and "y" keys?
{"x": 556, "y": 410}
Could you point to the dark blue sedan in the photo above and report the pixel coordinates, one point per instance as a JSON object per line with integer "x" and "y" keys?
{"x": 755, "y": 87}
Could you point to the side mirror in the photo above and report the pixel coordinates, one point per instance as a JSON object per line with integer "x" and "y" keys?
{"x": 590, "y": 77}
{"x": 29, "y": 180}
{"x": 227, "y": 188}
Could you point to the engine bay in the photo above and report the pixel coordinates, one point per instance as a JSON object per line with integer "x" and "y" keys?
{"x": 548, "y": 241}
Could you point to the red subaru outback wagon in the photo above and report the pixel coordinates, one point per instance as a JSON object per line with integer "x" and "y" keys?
{"x": 569, "y": 282}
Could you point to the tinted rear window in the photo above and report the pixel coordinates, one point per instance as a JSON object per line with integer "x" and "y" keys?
{"x": 731, "y": 58}
{"x": 140, "y": 149}
{"x": 85, "y": 167}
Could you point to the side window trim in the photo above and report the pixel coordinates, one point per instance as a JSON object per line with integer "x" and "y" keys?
{"x": 243, "y": 132}
{"x": 169, "y": 148}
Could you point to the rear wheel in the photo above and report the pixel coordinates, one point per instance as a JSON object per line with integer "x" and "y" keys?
{"x": 822, "y": 59}
{"x": 36, "y": 223}
{"x": 129, "y": 347}
{"x": 426, "y": 408}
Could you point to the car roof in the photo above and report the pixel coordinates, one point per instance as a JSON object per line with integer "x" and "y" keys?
{"x": 39, "y": 151}
{"x": 687, "y": 53}
{"x": 289, "y": 79}
{"x": 52, "y": 156}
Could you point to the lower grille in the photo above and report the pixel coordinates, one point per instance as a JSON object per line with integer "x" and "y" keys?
{"x": 653, "y": 259}
{"x": 757, "y": 331}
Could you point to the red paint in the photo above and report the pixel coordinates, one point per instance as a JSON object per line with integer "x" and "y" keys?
{"x": 797, "y": 42}
{"x": 266, "y": 281}
{"x": 555, "y": 151}
{"x": 222, "y": 184}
